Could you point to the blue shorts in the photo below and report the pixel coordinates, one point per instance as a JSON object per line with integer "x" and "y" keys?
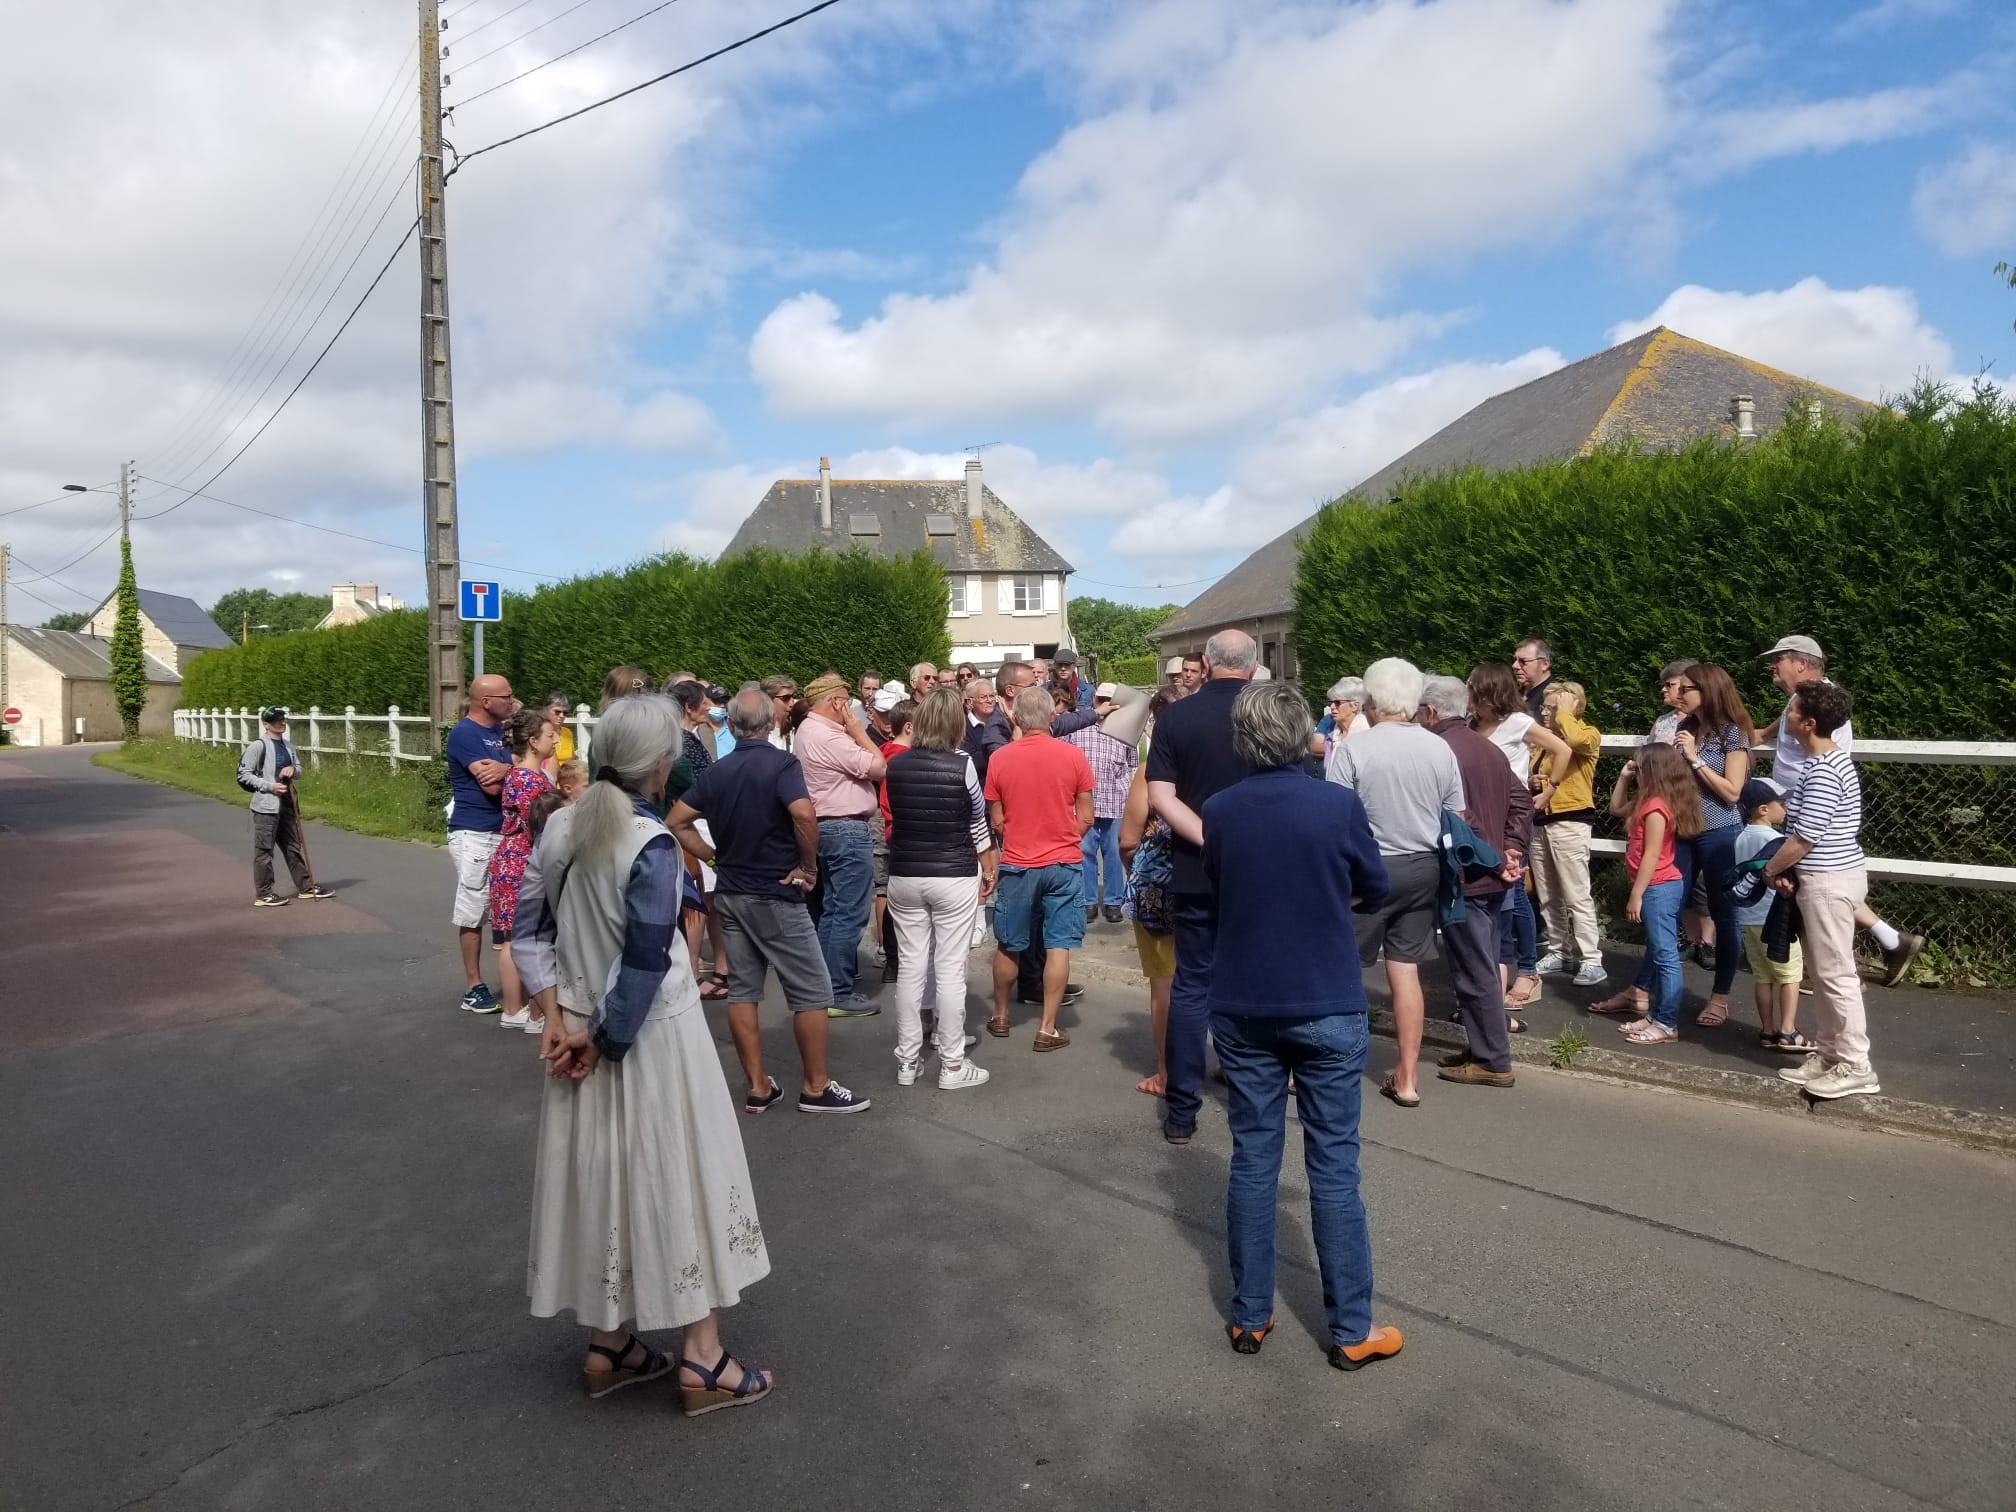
{"x": 1052, "y": 897}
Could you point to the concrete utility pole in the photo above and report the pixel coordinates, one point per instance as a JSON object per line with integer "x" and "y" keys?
{"x": 125, "y": 501}
{"x": 437, "y": 404}
{"x": 6, "y": 639}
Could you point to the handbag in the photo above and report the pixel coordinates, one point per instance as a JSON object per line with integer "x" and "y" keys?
{"x": 1149, "y": 877}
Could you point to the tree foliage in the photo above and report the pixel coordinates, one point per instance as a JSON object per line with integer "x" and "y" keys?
{"x": 70, "y": 619}
{"x": 1108, "y": 630}
{"x": 1893, "y": 542}
{"x": 126, "y": 654}
{"x": 268, "y": 613}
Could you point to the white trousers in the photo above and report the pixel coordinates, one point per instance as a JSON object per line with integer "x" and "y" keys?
{"x": 1827, "y": 904}
{"x": 934, "y": 933}
{"x": 1561, "y": 868}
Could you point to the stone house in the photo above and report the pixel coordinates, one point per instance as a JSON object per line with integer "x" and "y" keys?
{"x": 1660, "y": 389}
{"x": 61, "y": 681}
{"x": 354, "y": 603}
{"x": 1007, "y": 586}
{"x": 173, "y": 630}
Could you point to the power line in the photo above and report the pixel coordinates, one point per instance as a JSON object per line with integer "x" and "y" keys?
{"x": 485, "y": 25}
{"x": 16, "y": 587}
{"x": 44, "y": 504}
{"x": 558, "y": 56}
{"x": 50, "y": 575}
{"x": 670, "y": 73}
{"x": 1144, "y": 587}
{"x": 353, "y": 536}
{"x": 504, "y": 46}
{"x": 189, "y": 493}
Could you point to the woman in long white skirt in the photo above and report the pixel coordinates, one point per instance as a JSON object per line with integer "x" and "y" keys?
{"x": 641, "y": 1203}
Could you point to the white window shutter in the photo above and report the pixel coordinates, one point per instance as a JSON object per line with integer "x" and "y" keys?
{"x": 973, "y": 586}
{"x": 1006, "y": 592}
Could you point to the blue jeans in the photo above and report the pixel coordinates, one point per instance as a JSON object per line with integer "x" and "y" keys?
{"x": 1103, "y": 839}
{"x": 1661, "y": 912}
{"x": 1196, "y": 918}
{"x": 1518, "y": 940}
{"x": 847, "y": 887}
{"x": 1326, "y": 1056}
{"x": 1684, "y": 859}
{"x": 1714, "y": 860}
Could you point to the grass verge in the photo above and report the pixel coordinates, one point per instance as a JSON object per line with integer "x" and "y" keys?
{"x": 365, "y": 797}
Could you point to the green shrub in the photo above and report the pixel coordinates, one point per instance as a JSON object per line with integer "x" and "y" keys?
{"x": 742, "y": 618}
{"x": 1138, "y": 670}
{"x": 1893, "y": 542}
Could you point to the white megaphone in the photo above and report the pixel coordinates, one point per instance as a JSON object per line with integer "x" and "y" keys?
{"x": 1129, "y": 716}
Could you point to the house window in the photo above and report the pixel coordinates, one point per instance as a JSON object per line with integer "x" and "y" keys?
{"x": 1026, "y": 590}
{"x": 958, "y": 588}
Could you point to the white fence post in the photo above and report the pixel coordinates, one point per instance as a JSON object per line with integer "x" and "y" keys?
{"x": 583, "y": 721}
{"x": 392, "y": 736}
{"x": 245, "y": 717}
{"x": 313, "y": 748}
{"x": 349, "y": 732}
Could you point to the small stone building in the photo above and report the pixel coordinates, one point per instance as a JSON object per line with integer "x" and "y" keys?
{"x": 173, "y": 630}
{"x": 61, "y": 681}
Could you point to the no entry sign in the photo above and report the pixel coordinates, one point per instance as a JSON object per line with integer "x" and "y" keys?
{"x": 10, "y": 716}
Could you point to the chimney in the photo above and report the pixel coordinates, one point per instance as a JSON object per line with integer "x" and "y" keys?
{"x": 974, "y": 511}
{"x": 342, "y": 595}
{"x": 1743, "y": 410}
{"x": 368, "y": 593}
{"x": 825, "y": 494}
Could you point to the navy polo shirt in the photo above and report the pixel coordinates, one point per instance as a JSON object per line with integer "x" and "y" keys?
{"x": 746, "y": 803}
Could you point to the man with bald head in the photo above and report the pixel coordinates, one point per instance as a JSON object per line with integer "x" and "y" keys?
{"x": 478, "y": 763}
{"x": 1191, "y": 759}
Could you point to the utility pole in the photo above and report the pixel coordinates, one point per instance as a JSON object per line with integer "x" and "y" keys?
{"x": 125, "y": 501}
{"x": 437, "y": 404}
{"x": 6, "y": 635}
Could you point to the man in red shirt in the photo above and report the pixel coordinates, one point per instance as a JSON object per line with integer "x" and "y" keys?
{"x": 1039, "y": 801}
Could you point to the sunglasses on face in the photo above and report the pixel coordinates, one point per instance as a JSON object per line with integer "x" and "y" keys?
{"x": 1686, "y": 688}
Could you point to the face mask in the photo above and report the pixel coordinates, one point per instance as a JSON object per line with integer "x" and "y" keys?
{"x": 719, "y": 716}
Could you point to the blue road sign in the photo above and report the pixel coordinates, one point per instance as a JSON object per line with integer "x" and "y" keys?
{"x": 481, "y": 601}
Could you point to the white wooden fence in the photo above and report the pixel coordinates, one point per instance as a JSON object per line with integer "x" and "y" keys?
{"x": 392, "y": 737}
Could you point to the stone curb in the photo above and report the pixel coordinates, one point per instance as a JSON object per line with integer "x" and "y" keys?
{"x": 1891, "y": 1115}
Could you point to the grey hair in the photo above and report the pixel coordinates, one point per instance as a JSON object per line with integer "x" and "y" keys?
{"x": 1350, "y": 689}
{"x": 1231, "y": 651}
{"x": 1673, "y": 669}
{"x": 1393, "y": 685}
{"x": 1034, "y": 708}
{"x": 1271, "y": 726}
{"x": 634, "y": 738}
{"x": 975, "y": 686}
{"x": 749, "y": 713}
{"x": 1449, "y": 697}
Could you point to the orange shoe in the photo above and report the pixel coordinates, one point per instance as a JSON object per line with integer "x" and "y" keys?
{"x": 1383, "y": 1345}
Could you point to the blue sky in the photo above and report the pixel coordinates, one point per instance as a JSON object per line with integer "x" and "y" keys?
{"x": 1195, "y": 265}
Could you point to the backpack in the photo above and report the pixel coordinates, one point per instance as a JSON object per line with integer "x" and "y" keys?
{"x": 258, "y": 769}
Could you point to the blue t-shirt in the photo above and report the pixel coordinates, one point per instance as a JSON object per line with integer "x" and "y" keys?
{"x": 746, "y": 805}
{"x": 474, "y": 809}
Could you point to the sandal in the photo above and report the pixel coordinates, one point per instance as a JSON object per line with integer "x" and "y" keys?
{"x": 1388, "y": 1092}
{"x": 1514, "y": 1024}
{"x": 1247, "y": 1341}
{"x": 1649, "y": 1031}
{"x": 1712, "y": 1015}
{"x": 1517, "y": 996}
{"x": 1796, "y": 1043}
{"x": 714, "y": 986}
{"x": 1768, "y": 1040}
{"x": 1625, "y": 1004}
{"x": 1050, "y": 1039}
{"x": 698, "y": 1401}
{"x": 600, "y": 1383}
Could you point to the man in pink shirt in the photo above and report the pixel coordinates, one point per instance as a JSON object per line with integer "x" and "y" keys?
{"x": 1039, "y": 801}
{"x": 843, "y": 768}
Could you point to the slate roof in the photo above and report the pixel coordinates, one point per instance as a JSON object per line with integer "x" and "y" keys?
{"x": 181, "y": 619}
{"x": 786, "y": 519}
{"x": 1662, "y": 389}
{"x": 76, "y": 655}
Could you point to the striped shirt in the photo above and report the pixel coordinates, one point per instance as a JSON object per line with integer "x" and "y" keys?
{"x": 1825, "y": 811}
{"x": 1112, "y": 763}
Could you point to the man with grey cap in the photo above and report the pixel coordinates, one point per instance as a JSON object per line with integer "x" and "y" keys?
{"x": 1064, "y": 674}
{"x": 1796, "y": 659}
{"x": 267, "y": 770}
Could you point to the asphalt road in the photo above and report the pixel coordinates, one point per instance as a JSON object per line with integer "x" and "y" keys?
{"x": 263, "y": 1203}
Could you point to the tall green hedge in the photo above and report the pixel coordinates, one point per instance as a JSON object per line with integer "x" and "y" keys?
{"x": 373, "y": 665}
{"x": 1893, "y": 542}
{"x": 745, "y": 617}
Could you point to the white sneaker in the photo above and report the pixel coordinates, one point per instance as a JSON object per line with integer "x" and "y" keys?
{"x": 1591, "y": 974}
{"x": 965, "y": 1074}
{"x": 1553, "y": 965}
{"x": 906, "y": 1072}
{"x": 1844, "y": 1079}
{"x": 537, "y": 1026}
{"x": 516, "y": 1020}
{"x": 1807, "y": 1070}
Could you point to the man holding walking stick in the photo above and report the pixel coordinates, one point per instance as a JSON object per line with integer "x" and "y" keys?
{"x": 267, "y": 771}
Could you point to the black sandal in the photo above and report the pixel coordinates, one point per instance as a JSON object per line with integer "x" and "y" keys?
{"x": 714, "y": 986}
{"x": 600, "y": 1383}
{"x": 712, "y": 1396}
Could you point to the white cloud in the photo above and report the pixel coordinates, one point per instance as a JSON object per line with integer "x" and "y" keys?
{"x": 1743, "y": 138}
{"x": 1868, "y": 342}
{"x": 1968, "y": 206}
{"x": 1211, "y": 249}
{"x": 1885, "y": 14}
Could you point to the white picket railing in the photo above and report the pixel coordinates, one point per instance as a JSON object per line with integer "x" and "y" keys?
{"x": 391, "y": 736}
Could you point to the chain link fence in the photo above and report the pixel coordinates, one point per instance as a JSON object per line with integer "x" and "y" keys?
{"x": 1922, "y": 802}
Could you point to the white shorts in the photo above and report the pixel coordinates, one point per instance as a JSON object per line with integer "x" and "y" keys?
{"x": 471, "y": 851}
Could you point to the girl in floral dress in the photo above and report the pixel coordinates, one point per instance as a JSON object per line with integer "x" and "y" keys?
{"x": 531, "y": 738}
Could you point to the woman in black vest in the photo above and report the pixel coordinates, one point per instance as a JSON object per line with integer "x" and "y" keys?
{"x": 941, "y": 864}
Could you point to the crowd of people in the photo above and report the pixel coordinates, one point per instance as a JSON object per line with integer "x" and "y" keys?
{"x": 708, "y": 837}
